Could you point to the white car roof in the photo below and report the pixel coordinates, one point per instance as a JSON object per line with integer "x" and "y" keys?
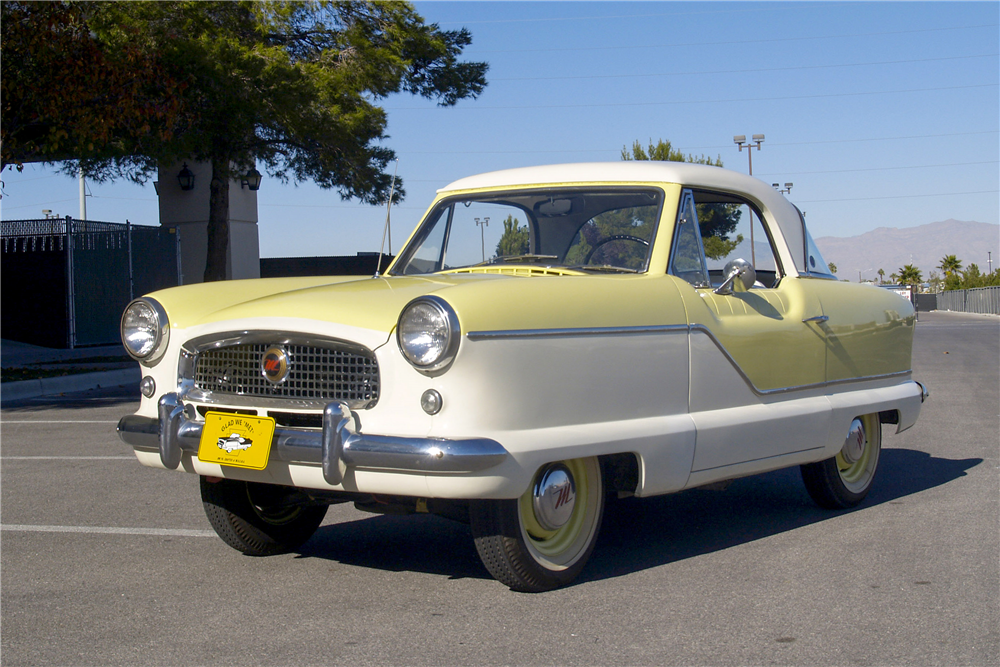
{"x": 775, "y": 207}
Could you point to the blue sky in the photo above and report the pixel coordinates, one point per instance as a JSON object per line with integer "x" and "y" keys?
{"x": 881, "y": 114}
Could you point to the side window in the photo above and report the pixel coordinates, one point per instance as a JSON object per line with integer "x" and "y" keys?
{"x": 733, "y": 229}
{"x": 687, "y": 256}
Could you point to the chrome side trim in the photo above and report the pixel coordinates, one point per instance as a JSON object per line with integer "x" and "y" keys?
{"x": 337, "y": 447}
{"x": 570, "y": 332}
{"x": 673, "y": 328}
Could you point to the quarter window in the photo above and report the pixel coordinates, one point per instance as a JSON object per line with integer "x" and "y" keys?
{"x": 687, "y": 258}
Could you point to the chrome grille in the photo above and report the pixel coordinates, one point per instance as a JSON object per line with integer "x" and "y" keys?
{"x": 315, "y": 373}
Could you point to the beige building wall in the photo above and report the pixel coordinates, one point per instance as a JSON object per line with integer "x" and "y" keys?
{"x": 187, "y": 211}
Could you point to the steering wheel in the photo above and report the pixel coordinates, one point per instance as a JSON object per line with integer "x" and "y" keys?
{"x": 616, "y": 237}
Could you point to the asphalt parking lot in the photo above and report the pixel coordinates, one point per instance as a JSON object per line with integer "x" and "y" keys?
{"x": 105, "y": 562}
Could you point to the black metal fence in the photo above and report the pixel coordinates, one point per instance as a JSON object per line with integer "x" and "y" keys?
{"x": 65, "y": 282}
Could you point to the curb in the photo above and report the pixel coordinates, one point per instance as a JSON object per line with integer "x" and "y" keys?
{"x": 15, "y": 391}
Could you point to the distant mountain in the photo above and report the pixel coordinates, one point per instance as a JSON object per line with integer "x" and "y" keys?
{"x": 890, "y": 248}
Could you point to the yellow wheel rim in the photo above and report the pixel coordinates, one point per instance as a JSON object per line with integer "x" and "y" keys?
{"x": 858, "y": 475}
{"x": 560, "y": 548}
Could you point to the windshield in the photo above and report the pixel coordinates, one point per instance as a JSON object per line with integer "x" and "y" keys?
{"x": 588, "y": 229}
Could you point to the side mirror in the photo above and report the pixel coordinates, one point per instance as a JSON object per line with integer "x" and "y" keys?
{"x": 739, "y": 277}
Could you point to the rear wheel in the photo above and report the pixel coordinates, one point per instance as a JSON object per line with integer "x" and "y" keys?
{"x": 258, "y": 519}
{"x": 844, "y": 480}
{"x": 543, "y": 539}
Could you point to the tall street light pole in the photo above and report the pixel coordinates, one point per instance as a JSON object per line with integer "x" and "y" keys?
{"x": 741, "y": 140}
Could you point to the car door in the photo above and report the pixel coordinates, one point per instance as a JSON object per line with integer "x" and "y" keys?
{"x": 754, "y": 353}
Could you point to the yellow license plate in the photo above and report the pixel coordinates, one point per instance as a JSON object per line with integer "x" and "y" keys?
{"x": 241, "y": 441}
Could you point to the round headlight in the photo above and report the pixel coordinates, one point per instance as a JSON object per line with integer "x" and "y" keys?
{"x": 144, "y": 329}
{"x": 428, "y": 333}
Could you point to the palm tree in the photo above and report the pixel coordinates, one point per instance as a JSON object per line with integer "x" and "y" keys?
{"x": 881, "y": 275}
{"x": 893, "y": 278}
{"x": 950, "y": 264}
{"x": 910, "y": 275}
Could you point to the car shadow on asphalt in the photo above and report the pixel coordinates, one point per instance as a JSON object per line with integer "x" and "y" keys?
{"x": 697, "y": 522}
{"x": 638, "y": 533}
{"x": 126, "y": 396}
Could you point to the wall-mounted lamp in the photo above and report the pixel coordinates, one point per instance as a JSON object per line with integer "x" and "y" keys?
{"x": 251, "y": 179}
{"x": 186, "y": 178}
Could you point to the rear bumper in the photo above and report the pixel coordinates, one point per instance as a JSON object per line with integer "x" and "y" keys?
{"x": 337, "y": 447}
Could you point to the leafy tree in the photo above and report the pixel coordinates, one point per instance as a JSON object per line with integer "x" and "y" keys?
{"x": 935, "y": 281}
{"x": 909, "y": 275}
{"x": 514, "y": 240}
{"x": 292, "y": 85}
{"x": 972, "y": 278}
{"x": 950, "y": 264}
{"x": 832, "y": 267}
{"x": 68, "y": 93}
{"x": 716, "y": 221}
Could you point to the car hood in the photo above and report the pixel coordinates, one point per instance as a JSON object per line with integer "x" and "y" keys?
{"x": 482, "y": 301}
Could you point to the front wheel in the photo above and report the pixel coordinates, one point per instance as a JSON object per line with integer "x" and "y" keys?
{"x": 543, "y": 539}
{"x": 258, "y": 519}
{"x": 844, "y": 480}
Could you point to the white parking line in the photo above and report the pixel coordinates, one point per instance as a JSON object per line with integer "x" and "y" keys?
{"x": 57, "y": 421}
{"x": 68, "y": 458}
{"x": 160, "y": 532}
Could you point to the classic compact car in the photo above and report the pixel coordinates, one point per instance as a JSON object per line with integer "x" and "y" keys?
{"x": 548, "y": 338}
{"x": 233, "y": 442}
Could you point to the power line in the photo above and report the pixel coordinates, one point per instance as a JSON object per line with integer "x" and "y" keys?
{"x": 940, "y": 194}
{"x": 744, "y": 71}
{"x": 715, "y": 101}
{"x": 685, "y": 148}
{"x": 769, "y": 40}
{"x": 919, "y": 166}
{"x": 553, "y": 19}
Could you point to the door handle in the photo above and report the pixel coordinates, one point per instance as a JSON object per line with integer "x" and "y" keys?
{"x": 818, "y": 319}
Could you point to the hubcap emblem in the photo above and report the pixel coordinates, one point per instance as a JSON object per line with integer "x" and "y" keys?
{"x": 854, "y": 446}
{"x": 274, "y": 365}
{"x": 553, "y": 497}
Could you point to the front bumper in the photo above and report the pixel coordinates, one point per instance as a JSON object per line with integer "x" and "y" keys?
{"x": 336, "y": 447}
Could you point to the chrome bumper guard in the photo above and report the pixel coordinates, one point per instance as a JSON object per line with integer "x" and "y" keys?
{"x": 336, "y": 447}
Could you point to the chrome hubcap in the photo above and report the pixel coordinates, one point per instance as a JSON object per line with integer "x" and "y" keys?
{"x": 553, "y": 497}
{"x": 854, "y": 446}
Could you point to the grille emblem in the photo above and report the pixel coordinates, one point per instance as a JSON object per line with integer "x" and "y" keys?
{"x": 274, "y": 365}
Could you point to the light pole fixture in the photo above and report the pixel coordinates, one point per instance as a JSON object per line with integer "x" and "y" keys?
{"x": 251, "y": 179}
{"x": 785, "y": 191}
{"x": 186, "y": 178}
{"x": 741, "y": 139}
{"x": 483, "y": 224}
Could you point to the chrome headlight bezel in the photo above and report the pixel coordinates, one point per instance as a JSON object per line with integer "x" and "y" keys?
{"x": 155, "y": 334}
{"x": 428, "y": 334}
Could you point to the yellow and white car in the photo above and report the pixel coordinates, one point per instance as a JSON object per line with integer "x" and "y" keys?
{"x": 548, "y": 337}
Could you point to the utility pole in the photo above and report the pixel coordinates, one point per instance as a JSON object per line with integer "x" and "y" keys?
{"x": 83, "y": 196}
{"x": 483, "y": 224}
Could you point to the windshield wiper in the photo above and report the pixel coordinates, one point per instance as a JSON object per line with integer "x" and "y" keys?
{"x": 605, "y": 268}
{"x": 511, "y": 259}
